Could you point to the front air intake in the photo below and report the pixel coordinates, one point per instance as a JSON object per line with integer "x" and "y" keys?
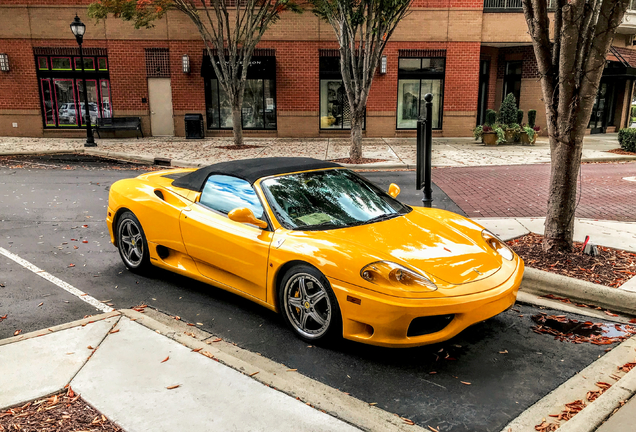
{"x": 429, "y": 324}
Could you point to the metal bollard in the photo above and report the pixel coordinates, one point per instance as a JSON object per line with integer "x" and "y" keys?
{"x": 424, "y": 152}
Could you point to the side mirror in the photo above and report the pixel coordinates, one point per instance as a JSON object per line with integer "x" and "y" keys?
{"x": 245, "y": 215}
{"x": 394, "y": 190}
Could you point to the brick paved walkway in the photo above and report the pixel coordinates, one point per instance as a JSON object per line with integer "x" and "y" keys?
{"x": 522, "y": 191}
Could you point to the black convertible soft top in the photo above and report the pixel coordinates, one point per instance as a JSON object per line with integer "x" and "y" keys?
{"x": 251, "y": 170}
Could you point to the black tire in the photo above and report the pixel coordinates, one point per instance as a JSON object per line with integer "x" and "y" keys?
{"x": 316, "y": 317}
{"x": 132, "y": 244}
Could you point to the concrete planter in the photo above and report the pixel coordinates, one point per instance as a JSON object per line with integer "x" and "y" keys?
{"x": 526, "y": 141}
{"x": 489, "y": 138}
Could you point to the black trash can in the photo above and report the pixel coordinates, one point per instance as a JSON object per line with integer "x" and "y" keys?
{"x": 194, "y": 126}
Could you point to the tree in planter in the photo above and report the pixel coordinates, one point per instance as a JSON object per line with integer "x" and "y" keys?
{"x": 363, "y": 28}
{"x": 230, "y": 28}
{"x": 571, "y": 67}
{"x": 508, "y": 110}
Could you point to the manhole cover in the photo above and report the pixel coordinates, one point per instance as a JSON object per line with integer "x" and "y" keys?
{"x": 630, "y": 179}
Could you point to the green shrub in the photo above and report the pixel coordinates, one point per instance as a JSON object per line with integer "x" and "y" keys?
{"x": 508, "y": 110}
{"x": 520, "y": 116}
{"x": 532, "y": 118}
{"x": 627, "y": 139}
{"x": 491, "y": 117}
{"x": 633, "y": 111}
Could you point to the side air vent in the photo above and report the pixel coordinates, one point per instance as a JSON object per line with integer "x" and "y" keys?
{"x": 159, "y": 194}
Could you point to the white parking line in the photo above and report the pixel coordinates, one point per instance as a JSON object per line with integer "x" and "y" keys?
{"x": 65, "y": 286}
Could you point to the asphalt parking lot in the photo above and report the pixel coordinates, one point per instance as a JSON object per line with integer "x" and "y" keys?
{"x": 52, "y": 215}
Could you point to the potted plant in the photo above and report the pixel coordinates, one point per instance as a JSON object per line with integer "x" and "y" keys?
{"x": 508, "y": 115}
{"x": 530, "y": 132}
{"x": 486, "y": 132}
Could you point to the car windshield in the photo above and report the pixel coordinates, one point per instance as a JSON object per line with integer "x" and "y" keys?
{"x": 328, "y": 199}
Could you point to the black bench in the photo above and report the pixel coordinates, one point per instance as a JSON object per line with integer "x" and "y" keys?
{"x": 119, "y": 123}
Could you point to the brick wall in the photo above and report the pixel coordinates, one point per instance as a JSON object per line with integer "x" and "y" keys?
{"x": 19, "y": 87}
{"x": 462, "y": 76}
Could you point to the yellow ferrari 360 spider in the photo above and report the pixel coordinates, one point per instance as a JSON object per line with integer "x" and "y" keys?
{"x": 331, "y": 252}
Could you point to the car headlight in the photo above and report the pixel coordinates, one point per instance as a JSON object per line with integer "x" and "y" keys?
{"x": 497, "y": 245}
{"x": 397, "y": 276}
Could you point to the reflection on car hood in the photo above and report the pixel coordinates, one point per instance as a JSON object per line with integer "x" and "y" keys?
{"x": 447, "y": 248}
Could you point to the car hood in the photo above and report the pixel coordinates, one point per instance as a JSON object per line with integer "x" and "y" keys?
{"x": 443, "y": 245}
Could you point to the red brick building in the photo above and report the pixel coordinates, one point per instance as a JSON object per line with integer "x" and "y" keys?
{"x": 468, "y": 53}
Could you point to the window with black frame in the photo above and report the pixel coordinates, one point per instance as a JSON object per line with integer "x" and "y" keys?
{"x": 259, "y": 100}
{"x": 418, "y": 76}
{"x": 512, "y": 79}
{"x": 59, "y": 73}
{"x": 335, "y": 112}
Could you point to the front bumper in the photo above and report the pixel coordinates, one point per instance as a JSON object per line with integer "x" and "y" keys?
{"x": 384, "y": 320}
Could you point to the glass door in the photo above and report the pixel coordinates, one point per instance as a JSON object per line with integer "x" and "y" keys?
{"x": 597, "y": 119}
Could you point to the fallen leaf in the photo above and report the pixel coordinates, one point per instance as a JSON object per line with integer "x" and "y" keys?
{"x": 373, "y": 403}
{"x": 433, "y": 429}
{"x": 610, "y": 314}
{"x": 70, "y": 393}
{"x": 173, "y": 387}
{"x": 464, "y": 382}
{"x": 113, "y": 331}
{"x": 292, "y": 370}
{"x": 177, "y": 317}
{"x": 165, "y": 360}
{"x": 90, "y": 347}
{"x": 17, "y": 332}
{"x": 84, "y": 241}
{"x": 197, "y": 349}
{"x": 190, "y": 324}
{"x": 407, "y": 421}
{"x": 71, "y": 265}
{"x": 254, "y": 373}
{"x": 40, "y": 304}
{"x": 199, "y": 323}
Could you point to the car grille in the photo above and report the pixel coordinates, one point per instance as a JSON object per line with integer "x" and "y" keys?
{"x": 428, "y": 324}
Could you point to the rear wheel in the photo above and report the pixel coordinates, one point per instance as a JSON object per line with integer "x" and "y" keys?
{"x": 309, "y": 305}
{"x": 132, "y": 244}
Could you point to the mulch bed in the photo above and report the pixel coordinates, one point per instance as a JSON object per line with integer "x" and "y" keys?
{"x": 238, "y": 147}
{"x": 62, "y": 412}
{"x": 611, "y": 268}
{"x": 622, "y": 152}
{"x": 357, "y": 161}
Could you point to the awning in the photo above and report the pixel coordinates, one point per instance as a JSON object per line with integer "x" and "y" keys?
{"x": 260, "y": 67}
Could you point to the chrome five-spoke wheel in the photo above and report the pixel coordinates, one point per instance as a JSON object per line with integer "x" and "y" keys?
{"x": 309, "y": 306}
{"x": 131, "y": 242}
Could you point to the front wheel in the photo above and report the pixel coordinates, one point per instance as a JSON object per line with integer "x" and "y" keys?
{"x": 308, "y": 304}
{"x": 132, "y": 244}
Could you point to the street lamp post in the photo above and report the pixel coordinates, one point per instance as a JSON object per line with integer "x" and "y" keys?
{"x": 79, "y": 28}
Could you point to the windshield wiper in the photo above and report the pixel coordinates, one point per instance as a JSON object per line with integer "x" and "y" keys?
{"x": 318, "y": 226}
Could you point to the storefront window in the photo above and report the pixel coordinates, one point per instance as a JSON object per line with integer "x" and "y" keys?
{"x": 62, "y": 91}
{"x": 416, "y": 78}
{"x": 335, "y": 111}
{"x": 259, "y": 100}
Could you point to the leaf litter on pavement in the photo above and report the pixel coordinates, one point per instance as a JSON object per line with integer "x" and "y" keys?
{"x": 62, "y": 412}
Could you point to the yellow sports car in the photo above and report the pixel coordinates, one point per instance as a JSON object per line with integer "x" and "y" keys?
{"x": 320, "y": 244}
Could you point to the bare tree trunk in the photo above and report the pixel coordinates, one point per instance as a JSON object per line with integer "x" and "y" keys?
{"x": 237, "y": 125}
{"x": 357, "y": 118}
{"x": 559, "y": 222}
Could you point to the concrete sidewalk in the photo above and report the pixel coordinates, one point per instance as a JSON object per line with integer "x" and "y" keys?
{"x": 115, "y": 363}
{"x": 395, "y": 153}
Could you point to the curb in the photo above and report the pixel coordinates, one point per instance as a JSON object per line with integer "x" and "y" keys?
{"x": 541, "y": 283}
{"x": 622, "y": 158}
{"x": 65, "y": 326}
{"x": 603, "y": 369}
{"x": 276, "y": 375}
{"x": 594, "y": 414}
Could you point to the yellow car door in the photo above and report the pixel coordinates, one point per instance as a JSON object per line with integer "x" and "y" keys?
{"x": 232, "y": 253}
